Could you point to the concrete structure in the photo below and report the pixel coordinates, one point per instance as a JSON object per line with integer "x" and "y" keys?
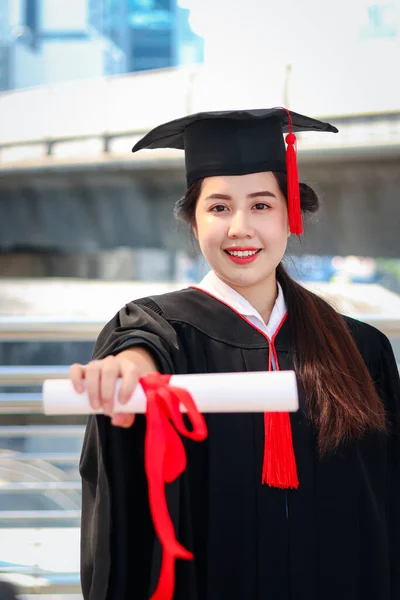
{"x": 70, "y": 186}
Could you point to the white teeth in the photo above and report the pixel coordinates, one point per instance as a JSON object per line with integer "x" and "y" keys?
{"x": 242, "y": 253}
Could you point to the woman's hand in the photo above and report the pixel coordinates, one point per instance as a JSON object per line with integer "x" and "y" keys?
{"x": 100, "y": 377}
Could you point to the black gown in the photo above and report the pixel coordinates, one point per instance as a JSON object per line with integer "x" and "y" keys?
{"x": 337, "y": 537}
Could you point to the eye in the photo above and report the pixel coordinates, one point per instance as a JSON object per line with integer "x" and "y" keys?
{"x": 261, "y": 206}
{"x": 218, "y": 208}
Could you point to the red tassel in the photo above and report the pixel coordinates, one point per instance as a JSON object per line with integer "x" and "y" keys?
{"x": 279, "y": 469}
{"x": 279, "y": 466}
{"x": 293, "y": 187}
{"x": 294, "y": 207}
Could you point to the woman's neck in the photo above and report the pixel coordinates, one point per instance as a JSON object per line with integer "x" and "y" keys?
{"x": 262, "y": 296}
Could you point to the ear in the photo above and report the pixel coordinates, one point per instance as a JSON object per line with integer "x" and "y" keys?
{"x": 194, "y": 229}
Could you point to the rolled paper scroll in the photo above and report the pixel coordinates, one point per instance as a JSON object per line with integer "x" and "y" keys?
{"x": 163, "y": 398}
{"x": 261, "y": 391}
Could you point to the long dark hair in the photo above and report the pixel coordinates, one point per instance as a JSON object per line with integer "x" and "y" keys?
{"x": 341, "y": 398}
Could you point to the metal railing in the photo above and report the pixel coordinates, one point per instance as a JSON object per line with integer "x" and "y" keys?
{"x": 112, "y": 149}
{"x": 27, "y": 476}
{"x": 30, "y": 376}
{"x": 48, "y": 329}
{"x": 41, "y": 430}
{"x": 84, "y": 329}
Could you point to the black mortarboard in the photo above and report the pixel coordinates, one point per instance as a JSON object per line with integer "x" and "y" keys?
{"x": 238, "y": 142}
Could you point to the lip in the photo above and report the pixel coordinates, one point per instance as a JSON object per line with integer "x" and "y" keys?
{"x": 241, "y": 248}
{"x": 242, "y": 260}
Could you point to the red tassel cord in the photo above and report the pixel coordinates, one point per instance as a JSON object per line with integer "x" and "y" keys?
{"x": 293, "y": 187}
{"x": 279, "y": 466}
{"x": 165, "y": 460}
{"x": 279, "y": 463}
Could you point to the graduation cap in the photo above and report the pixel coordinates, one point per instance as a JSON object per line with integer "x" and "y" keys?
{"x": 238, "y": 142}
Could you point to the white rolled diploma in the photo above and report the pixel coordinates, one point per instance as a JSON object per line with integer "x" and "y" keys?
{"x": 261, "y": 391}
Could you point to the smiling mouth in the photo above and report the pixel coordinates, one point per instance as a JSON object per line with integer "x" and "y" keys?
{"x": 242, "y": 253}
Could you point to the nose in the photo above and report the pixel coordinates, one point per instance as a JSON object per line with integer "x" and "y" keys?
{"x": 240, "y": 226}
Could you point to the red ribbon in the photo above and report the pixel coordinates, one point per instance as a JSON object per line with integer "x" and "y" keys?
{"x": 165, "y": 460}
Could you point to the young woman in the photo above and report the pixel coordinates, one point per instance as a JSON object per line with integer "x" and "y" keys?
{"x": 326, "y": 525}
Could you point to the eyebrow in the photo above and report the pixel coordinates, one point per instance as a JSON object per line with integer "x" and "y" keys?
{"x": 261, "y": 194}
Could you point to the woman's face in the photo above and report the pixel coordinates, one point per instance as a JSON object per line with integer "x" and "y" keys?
{"x": 241, "y": 223}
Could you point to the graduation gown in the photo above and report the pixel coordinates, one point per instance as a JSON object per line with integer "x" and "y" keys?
{"x": 336, "y": 536}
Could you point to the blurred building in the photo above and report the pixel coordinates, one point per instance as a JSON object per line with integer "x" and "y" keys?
{"x": 152, "y": 34}
{"x": 48, "y": 41}
{"x": 161, "y": 35}
{"x": 4, "y": 50}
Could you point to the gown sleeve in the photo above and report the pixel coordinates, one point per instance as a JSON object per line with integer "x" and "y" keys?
{"x": 139, "y": 323}
{"x": 388, "y": 384}
{"x": 117, "y": 535}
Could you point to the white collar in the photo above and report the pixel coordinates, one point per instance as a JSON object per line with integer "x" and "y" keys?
{"x": 220, "y": 290}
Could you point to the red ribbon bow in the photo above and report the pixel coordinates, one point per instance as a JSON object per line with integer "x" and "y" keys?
{"x": 165, "y": 460}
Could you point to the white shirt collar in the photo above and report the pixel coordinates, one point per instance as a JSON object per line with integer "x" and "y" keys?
{"x": 220, "y": 290}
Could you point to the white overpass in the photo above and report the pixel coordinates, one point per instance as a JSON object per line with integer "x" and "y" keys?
{"x": 69, "y": 182}
{"x": 95, "y": 122}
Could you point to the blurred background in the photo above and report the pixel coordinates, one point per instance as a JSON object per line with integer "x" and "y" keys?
{"x": 85, "y": 226}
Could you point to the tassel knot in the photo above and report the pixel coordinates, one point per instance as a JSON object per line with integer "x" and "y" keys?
{"x": 290, "y": 139}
